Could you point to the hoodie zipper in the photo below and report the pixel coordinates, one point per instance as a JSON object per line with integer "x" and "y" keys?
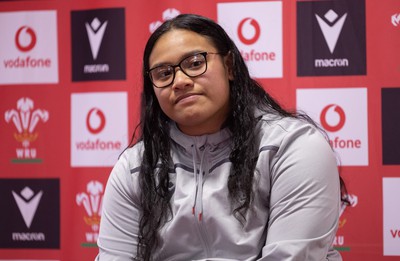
{"x": 202, "y": 231}
{"x": 198, "y": 215}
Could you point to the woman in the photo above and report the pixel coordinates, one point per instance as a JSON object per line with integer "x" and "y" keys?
{"x": 221, "y": 171}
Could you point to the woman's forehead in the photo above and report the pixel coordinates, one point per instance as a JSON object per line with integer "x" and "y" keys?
{"x": 178, "y": 43}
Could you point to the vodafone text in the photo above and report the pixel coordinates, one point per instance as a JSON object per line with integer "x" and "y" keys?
{"x": 27, "y": 62}
{"x": 258, "y": 56}
{"x": 98, "y": 145}
{"x": 345, "y": 144}
{"x": 395, "y": 233}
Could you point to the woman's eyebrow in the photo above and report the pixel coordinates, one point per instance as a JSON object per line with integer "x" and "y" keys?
{"x": 182, "y": 57}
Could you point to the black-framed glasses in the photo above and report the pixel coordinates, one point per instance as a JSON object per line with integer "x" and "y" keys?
{"x": 194, "y": 65}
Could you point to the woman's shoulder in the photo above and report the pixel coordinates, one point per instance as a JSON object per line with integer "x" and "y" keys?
{"x": 133, "y": 154}
{"x": 129, "y": 161}
{"x": 125, "y": 172}
{"x": 281, "y": 126}
{"x": 282, "y": 132}
{"x": 296, "y": 141}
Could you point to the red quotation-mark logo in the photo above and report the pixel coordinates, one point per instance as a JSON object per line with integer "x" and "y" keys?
{"x": 245, "y": 24}
{"x": 21, "y": 41}
{"x": 339, "y": 111}
{"x": 95, "y": 121}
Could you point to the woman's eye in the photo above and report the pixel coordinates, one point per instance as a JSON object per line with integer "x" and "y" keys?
{"x": 195, "y": 64}
{"x": 163, "y": 73}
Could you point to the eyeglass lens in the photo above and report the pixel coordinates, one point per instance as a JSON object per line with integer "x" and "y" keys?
{"x": 192, "y": 66}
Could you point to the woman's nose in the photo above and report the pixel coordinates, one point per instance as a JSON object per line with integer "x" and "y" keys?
{"x": 181, "y": 80}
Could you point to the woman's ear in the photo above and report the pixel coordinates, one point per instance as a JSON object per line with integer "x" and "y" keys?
{"x": 228, "y": 59}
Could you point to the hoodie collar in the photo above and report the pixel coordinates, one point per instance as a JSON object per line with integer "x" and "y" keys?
{"x": 187, "y": 141}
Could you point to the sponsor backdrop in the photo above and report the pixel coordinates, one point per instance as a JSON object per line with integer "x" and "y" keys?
{"x": 70, "y": 84}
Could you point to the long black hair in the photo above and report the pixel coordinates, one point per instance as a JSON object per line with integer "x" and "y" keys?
{"x": 246, "y": 95}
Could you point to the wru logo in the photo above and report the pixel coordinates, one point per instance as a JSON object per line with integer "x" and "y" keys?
{"x": 25, "y": 119}
{"x": 92, "y": 202}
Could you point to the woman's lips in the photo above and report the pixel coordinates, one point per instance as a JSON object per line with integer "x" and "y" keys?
{"x": 185, "y": 96}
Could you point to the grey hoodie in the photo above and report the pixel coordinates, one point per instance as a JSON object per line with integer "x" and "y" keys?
{"x": 294, "y": 215}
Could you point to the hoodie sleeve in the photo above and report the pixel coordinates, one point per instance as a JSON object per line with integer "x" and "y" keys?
{"x": 304, "y": 199}
{"x": 119, "y": 223}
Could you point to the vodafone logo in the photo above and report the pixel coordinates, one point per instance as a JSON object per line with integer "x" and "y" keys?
{"x": 248, "y": 31}
{"x": 332, "y": 118}
{"x": 29, "y": 47}
{"x": 25, "y": 39}
{"x": 344, "y": 119}
{"x": 98, "y": 128}
{"x": 256, "y": 28}
{"x": 95, "y": 121}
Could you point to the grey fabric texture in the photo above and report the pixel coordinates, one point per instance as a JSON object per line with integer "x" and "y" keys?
{"x": 294, "y": 215}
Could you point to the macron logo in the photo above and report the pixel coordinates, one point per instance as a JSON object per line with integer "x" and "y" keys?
{"x": 331, "y": 32}
{"x": 27, "y": 204}
{"x": 95, "y": 33}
